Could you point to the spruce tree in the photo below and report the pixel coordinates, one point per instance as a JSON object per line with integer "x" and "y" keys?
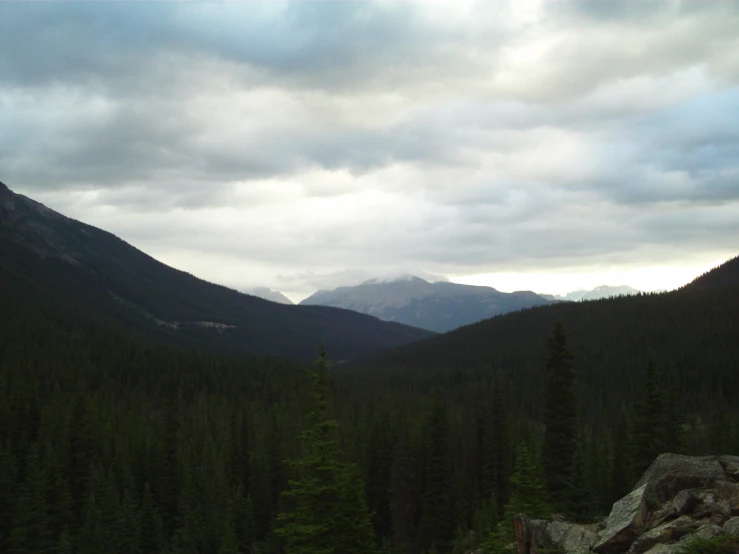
{"x": 501, "y": 449}
{"x": 327, "y": 513}
{"x": 436, "y": 526}
{"x": 528, "y": 492}
{"x": 560, "y": 419}
{"x": 581, "y": 498}
{"x": 379, "y": 468}
{"x": 648, "y": 432}
{"x": 403, "y": 497}
{"x": 30, "y": 532}
{"x": 621, "y": 478}
{"x": 674, "y": 419}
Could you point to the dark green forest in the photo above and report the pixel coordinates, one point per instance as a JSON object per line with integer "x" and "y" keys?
{"x": 112, "y": 444}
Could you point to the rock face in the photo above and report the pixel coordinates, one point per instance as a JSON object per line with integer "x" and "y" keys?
{"x": 537, "y": 536}
{"x": 672, "y": 473}
{"x": 625, "y": 521}
{"x": 697, "y": 497}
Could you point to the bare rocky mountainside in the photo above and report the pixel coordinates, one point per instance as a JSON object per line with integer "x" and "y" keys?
{"x": 83, "y": 274}
{"x": 678, "y": 500}
{"x": 439, "y": 307}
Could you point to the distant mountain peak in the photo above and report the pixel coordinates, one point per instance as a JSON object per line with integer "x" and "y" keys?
{"x": 602, "y": 291}
{"x": 269, "y": 294}
{"x": 401, "y": 278}
{"x": 412, "y": 300}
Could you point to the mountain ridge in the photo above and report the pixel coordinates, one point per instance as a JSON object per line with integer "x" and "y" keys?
{"x": 440, "y": 306}
{"x": 111, "y": 280}
{"x": 601, "y": 291}
{"x": 681, "y": 329}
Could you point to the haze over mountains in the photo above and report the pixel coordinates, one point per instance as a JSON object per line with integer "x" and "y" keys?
{"x": 603, "y": 291}
{"x": 439, "y": 306}
{"x": 268, "y": 294}
{"x": 80, "y": 272}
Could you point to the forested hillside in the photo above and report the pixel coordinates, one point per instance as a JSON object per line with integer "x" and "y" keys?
{"x": 691, "y": 333}
{"x": 111, "y": 445}
{"x": 79, "y": 272}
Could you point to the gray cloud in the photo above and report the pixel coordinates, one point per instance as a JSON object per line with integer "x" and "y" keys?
{"x": 280, "y": 143}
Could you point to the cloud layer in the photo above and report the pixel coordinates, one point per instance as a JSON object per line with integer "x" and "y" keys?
{"x": 284, "y": 143}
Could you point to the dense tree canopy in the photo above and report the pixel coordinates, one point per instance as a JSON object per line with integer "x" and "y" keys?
{"x": 109, "y": 444}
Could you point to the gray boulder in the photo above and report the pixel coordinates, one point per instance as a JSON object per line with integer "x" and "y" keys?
{"x": 625, "y": 522}
{"x": 730, "y": 465}
{"x": 708, "y": 531}
{"x": 666, "y": 549}
{"x": 671, "y": 473}
{"x": 669, "y": 532}
{"x": 536, "y": 536}
{"x": 731, "y": 527}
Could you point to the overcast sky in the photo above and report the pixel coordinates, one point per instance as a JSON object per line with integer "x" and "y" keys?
{"x": 519, "y": 144}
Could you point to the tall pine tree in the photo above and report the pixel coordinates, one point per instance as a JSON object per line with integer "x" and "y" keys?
{"x": 528, "y": 492}
{"x": 560, "y": 419}
{"x": 648, "y": 430}
{"x": 327, "y": 513}
{"x": 436, "y": 526}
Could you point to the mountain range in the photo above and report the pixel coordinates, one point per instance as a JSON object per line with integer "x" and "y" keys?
{"x": 74, "y": 272}
{"x": 603, "y": 291}
{"x": 440, "y": 306}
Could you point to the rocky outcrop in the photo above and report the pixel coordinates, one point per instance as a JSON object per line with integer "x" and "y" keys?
{"x": 678, "y": 499}
{"x": 672, "y": 473}
{"x": 537, "y": 536}
{"x": 625, "y": 521}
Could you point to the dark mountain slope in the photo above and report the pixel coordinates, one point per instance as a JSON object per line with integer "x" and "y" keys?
{"x": 725, "y": 275}
{"x": 693, "y": 330}
{"x": 87, "y": 274}
{"x": 413, "y": 301}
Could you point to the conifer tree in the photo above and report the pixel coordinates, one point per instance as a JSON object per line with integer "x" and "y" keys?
{"x": 239, "y": 452}
{"x": 560, "y": 418}
{"x": 484, "y": 456}
{"x": 436, "y": 526}
{"x": 30, "y": 533}
{"x": 9, "y": 488}
{"x": 244, "y": 522}
{"x": 327, "y": 513}
{"x": 151, "y": 523}
{"x": 128, "y": 526}
{"x": 79, "y": 457}
{"x": 260, "y": 496}
{"x": 581, "y": 498}
{"x": 621, "y": 477}
{"x": 403, "y": 497}
{"x": 501, "y": 449}
{"x": 380, "y": 452}
{"x": 648, "y": 431}
{"x": 674, "y": 420}
{"x": 528, "y": 492}
{"x": 229, "y": 543}
{"x": 277, "y": 478}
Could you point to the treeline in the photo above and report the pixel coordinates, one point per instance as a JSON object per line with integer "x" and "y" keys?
{"x": 113, "y": 446}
